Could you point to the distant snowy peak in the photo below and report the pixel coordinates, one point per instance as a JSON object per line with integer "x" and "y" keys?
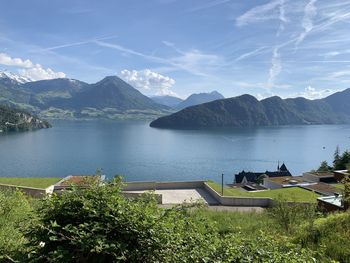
{"x": 15, "y": 77}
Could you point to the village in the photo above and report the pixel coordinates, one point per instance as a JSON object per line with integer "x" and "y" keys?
{"x": 248, "y": 191}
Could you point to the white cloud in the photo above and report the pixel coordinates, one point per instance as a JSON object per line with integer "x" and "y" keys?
{"x": 39, "y": 73}
{"x": 149, "y": 81}
{"x": 310, "y": 11}
{"x": 272, "y": 10}
{"x": 275, "y": 69}
{"x": 312, "y": 93}
{"x": 9, "y": 61}
{"x": 30, "y": 70}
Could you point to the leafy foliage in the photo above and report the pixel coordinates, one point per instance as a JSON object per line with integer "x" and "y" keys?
{"x": 15, "y": 210}
{"x": 99, "y": 225}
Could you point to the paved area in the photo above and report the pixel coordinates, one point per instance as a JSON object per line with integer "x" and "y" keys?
{"x": 179, "y": 196}
{"x": 240, "y": 209}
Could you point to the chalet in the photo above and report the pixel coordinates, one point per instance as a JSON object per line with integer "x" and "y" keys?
{"x": 252, "y": 177}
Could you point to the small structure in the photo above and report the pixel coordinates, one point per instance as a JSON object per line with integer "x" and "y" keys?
{"x": 340, "y": 174}
{"x": 323, "y": 189}
{"x": 285, "y": 181}
{"x": 330, "y": 203}
{"x": 324, "y": 177}
{"x": 252, "y": 177}
{"x": 250, "y": 187}
{"x": 82, "y": 181}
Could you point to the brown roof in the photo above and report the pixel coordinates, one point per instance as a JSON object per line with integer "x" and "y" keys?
{"x": 322, "y": 174}
{"x": 80, "y": 180}
{"x": 323, "y": 188}
{"x": 287, "y": 180}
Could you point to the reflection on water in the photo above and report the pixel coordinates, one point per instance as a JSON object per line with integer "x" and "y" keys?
{"x": 139, "y": 152}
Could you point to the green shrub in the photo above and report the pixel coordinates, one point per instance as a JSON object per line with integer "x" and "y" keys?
{"x": 330, "y": 234}
{"x": 15, "y": 211}
{"x": 99, "y": 225}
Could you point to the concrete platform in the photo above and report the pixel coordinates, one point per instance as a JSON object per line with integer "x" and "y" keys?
{"x": 179, "y": 196}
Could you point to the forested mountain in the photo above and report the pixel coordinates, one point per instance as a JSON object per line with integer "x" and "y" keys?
{"x": 169, "y": 101}
{"x": 247, "y": 111}
{"x": 14, "y": 120}
{"x": 199, "y": 98}
{"x": 110, "y": 98}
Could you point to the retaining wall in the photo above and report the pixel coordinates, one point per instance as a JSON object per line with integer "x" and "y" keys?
{"x": 31, "y": 191}
{"x": 239, "y": 201}
{"x": 135, "y": 186}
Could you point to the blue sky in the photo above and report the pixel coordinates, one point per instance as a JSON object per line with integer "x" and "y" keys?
{"x": 277, "y": 47}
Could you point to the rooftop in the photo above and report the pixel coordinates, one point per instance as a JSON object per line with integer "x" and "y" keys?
{"x": 322, "y": 174}
{"x": 334, "y": 200}
{"x": 323, "y": 188}
{"x": 288, "y": 180}
{"x": 79, "y": 180}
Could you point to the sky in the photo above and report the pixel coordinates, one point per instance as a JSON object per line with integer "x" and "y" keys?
{"x": 287, "y": 48}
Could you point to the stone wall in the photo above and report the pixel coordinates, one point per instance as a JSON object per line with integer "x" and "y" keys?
{"x": 31, "y": 191}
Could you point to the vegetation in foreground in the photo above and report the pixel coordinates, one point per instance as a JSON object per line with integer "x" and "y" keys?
{"x": 100, "y": 225}
{"x": 36, "y": 182}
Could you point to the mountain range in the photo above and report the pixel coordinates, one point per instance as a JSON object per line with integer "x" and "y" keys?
{"x": 194, "y": 99}
{"x": 247, "y": 111}
{"x": 110, "y": 98}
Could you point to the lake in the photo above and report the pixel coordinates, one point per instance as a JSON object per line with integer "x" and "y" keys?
{"x": 138, "y": 152}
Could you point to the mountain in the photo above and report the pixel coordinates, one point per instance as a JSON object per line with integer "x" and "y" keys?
{"x": 43, "y": 92}
{"x": 247, "y": 111}
{"x": 169, "y": 101}
{"x": 111, "y": 92}
{"x": 199, "y": 98}
{"x": 14, "y": 77}
{"x": 14, "y": 120}
{"x": 11, "y": 92}
{"x": 110, "y": 98}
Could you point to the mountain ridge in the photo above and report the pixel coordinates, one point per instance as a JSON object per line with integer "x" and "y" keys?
{"x": 247, "y": 111}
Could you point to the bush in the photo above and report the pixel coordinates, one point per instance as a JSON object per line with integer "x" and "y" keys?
{"x": 99, "y": 225}
{"x": 330, "y": 234}
{"x": 289, "y": 216}
{"x": 15, "y": 211}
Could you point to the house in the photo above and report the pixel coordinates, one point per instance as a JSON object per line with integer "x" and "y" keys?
{"x": 285, "y": 181}
{"x": 340, "y": 174}
{"x": 324, "y": 177}
{"x": 245, "y": 177}
{"x": 331, "y": 203}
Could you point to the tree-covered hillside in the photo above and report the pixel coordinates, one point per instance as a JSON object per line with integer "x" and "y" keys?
{"x": 247, "y": 111}
{"x": 15, "y": 120}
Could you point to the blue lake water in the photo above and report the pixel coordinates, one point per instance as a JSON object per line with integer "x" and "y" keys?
{"x": 138, "y": 152}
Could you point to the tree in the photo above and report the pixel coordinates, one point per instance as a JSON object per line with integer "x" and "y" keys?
{"x": 324, "y": 167}
{"x": 336, "y": 161}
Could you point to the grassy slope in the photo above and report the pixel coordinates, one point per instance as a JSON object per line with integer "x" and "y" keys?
{"x": 30, "y": 182}
{"x": 289, "y": 194}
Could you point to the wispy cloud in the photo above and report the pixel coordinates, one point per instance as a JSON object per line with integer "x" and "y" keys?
{"x": 276, "y": 68}
{"x": 272, "y": 10}
{"x": 79, "y": 43}
{"x": 209, "y": 4}
{"x": 193, "y": 61}
{"x": 310, "y": 11}
{"x": 250, "y": 53}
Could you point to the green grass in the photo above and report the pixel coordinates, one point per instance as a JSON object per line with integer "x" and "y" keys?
{"x": 249, "y": 223}
{"x": 339, "y": 186}
{"x": 295, "y": 194}
{"x": 36, "y": 182}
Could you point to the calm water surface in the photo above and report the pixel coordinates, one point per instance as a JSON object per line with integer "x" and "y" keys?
{"x": 139, "y": 152}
